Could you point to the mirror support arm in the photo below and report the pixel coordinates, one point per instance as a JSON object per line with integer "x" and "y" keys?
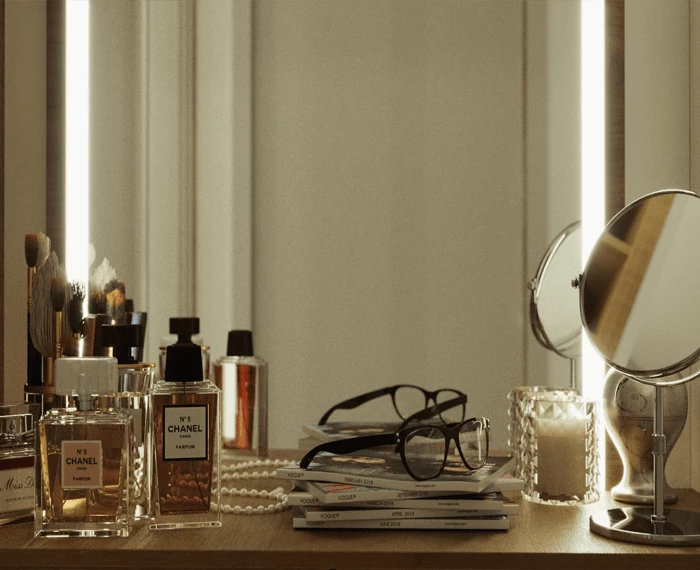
{"x": 659, "y": 450}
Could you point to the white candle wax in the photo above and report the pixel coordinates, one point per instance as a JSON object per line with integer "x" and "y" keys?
{"x": 561, "y": 457}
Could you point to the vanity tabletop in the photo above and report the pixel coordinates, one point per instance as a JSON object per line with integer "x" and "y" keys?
{"x": 541, "y": 536}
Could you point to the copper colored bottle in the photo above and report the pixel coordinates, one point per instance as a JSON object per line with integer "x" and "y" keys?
{"x": 242, "y": 378}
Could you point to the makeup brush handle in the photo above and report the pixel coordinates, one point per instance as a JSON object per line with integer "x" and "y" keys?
{"x": 33, "y": 359}
{"x": 57, "y": 332}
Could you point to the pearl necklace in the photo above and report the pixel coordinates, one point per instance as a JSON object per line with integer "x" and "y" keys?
{"x": 232, "y": 471}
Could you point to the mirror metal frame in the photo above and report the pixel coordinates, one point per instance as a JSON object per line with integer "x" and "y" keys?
{"x": 535, "y": 283}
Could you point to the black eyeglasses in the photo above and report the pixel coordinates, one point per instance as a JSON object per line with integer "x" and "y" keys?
{"x": 426, "y": 450}
{"x": 410, "y": 401}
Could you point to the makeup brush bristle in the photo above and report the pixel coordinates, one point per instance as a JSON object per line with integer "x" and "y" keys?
{"x": 31, "y": 249}
{"x": 116, "y": 306}
{"x": 44, "y": 249}
{"x": 42, "y": 314}
{"x": 58, "y": 293}
{"x": 75, "y": 307}
{"x": 97, "y": 302}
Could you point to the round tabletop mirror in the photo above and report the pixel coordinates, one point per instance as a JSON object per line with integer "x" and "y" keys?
{"x": 640, "y": 301}
{"x": 640, "y": 306}
{"x": 554, "y": 305}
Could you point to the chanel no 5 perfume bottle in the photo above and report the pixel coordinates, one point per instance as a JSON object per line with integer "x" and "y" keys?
{"x": 16, "y": 462}
{"x": 242, "y": 378}
{"x": 185, "y": 440}
{"x": 83, "y": 456}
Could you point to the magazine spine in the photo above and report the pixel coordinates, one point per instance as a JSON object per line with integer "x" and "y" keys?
{"x": 492, "y": 523}
{"x": 395, "y": 514}
{"x": 324, "y": 476}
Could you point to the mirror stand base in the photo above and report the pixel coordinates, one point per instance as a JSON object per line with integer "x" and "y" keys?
{"x": 633, "y": 524}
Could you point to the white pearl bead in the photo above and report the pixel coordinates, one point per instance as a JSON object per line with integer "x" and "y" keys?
{"x": 249, "y": 510}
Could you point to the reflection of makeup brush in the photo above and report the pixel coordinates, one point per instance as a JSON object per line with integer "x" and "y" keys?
{"x": 58, "y": 300}
{"x": 31, "y": 254}
{"x": 75, "y": 319}
{"x": 116, "y": 306}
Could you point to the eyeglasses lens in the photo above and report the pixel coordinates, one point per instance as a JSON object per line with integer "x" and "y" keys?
{"x": 473, "y": 442}
{"x": 454, "y": 414}
{"x": 408, "y": 401}
{"x": 424, "y": 451}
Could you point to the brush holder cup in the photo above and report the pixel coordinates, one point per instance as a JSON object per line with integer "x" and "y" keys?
{"x": 560, "y": 452}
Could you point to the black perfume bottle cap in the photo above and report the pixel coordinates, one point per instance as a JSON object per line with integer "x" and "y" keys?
{"x": 240, "y": 343}
{"x": 183, "y": 363}
{"x": 122, "y": 338}
{"x": 184, "y": 328}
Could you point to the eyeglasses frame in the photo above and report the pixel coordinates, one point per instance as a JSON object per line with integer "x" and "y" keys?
{"x": 391, "y": 390}
{"x": 449, "y": 431}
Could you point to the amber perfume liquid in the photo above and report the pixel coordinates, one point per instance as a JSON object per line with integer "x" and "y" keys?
{"x": 184, "y": 441}
{"x": 243, "y": 384}
{"x": 83, "y": 473}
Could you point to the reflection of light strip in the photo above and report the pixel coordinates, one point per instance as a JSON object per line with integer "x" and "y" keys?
{"x": 592, "y": 175}
{"x": 77, "y": 138}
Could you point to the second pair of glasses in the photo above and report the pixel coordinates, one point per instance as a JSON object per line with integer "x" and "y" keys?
{"x": 425, "y": 450}
{"x": 412, "y": 403}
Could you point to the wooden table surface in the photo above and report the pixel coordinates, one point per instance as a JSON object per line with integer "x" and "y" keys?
{"x": 540, "y": 537}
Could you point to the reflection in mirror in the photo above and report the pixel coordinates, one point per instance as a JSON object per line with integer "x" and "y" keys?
{"x": 639, "y": 300}
{"x": 554, "y": 306}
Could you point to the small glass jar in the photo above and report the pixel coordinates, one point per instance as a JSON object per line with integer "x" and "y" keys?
{"x": 515, "y": 426}
{"x": 560, "y": 451}
{"x": 17, "y": 470}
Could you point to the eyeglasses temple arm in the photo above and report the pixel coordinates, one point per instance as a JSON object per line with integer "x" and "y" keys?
{"x": 356, "y": 401}
{"x": 345, "y": 446}
{"x": 434, "y": 410}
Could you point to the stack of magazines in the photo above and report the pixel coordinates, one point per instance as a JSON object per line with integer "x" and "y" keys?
{"x": 371, "y": 489}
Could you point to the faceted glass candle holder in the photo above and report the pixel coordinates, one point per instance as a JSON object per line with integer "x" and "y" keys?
{"x": 560, "y": 451}
{"x": 515, "y": 425}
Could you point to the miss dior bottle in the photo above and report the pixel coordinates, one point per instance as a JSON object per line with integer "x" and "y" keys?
{"x": 135, "y": 379}
{"x": 83, "y": 456}
{"x": 185, "y": 440}
{"x": 16, "y": 462}
{"x": 242, "y": 378}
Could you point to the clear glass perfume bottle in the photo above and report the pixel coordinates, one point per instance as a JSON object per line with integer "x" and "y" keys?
{"x": 185, "y": 440}
{"x": 83, "y": 456}
{"x": 242, "y": 378}
{"x": 135, "y": 379}
{"x": 16, "y": 462}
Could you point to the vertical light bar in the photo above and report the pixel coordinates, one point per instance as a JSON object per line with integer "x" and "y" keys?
{"x": 77, "y": 138}
{"x": 592, "y": 176}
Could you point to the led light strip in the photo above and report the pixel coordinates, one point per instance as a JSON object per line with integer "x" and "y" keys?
{"x": 77, "y": 138}
{"x": 592, "y": 176}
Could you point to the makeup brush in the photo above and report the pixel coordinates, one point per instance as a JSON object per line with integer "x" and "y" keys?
{"x": 43, "y": 317}
{"x": 44, "y": 250}
{"x": 58, "y": 301}
{"x": 72, "y": 347}
{"x": 97, "y": 298}
{"x": 31, "y": 256}
{"x": 116, "y": 306}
